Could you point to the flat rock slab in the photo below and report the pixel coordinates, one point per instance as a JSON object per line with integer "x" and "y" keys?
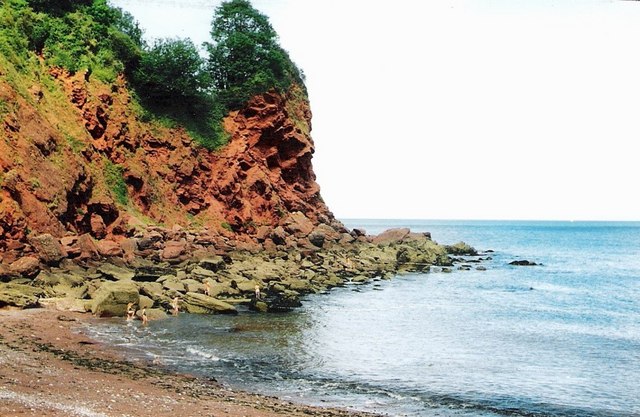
{"x": 18, "y": 295}
{"x": 116, "y": 272}
{"x": 200, "y": 303}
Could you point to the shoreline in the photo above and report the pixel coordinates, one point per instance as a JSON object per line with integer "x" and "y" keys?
{"x": 51, "y": 367}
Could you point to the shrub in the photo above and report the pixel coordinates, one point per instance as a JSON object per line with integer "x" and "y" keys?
{"x": 173, "y": 71}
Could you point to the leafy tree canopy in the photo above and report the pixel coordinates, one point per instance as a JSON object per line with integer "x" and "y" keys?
{"x": 171, "y": 77}
{"x": 172, "y": 70}
{"x": 244, "y": 56}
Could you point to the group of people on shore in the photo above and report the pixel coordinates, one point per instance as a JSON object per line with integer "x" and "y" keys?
{"x": 175, "y": 305}
{"x": 131, "y": 311}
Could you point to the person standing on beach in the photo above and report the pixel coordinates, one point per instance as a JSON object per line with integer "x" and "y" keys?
{"x": 143, "y": 316}
{"x": 257, "y": 291}
{"x": 176, "y": 306}
{"x": 130, "y": 311}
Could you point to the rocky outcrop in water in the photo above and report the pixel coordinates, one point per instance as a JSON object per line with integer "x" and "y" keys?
{"x": 216, "y": 274}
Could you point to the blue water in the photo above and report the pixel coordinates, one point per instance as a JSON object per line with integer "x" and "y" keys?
{"x": 560, "y": 339}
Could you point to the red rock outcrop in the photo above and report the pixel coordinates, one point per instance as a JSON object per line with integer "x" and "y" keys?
{"x": 265, "y": 172}
{"x": 65, "y": 161}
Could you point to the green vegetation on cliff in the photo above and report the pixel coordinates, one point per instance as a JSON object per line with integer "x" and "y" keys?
{"x": 245, "y": 58}
{"x": 82, "y": 35}
{"x": 171, "y": 78}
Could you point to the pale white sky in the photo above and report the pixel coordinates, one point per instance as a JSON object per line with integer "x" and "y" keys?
{"x": 466, "y": 109}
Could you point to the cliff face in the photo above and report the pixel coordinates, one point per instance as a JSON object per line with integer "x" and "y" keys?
{"x": 77, "y": 156}
{"x": 265, "y": 172}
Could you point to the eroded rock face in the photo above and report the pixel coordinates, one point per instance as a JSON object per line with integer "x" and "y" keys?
{"x": 265, "y": 171}
{"x": 55, "y": 182}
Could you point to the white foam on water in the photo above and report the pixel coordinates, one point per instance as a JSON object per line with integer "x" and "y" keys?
{"x": 203, "y": 353}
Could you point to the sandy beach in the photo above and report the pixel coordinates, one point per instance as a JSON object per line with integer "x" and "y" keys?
{"x": 49, "y": 367}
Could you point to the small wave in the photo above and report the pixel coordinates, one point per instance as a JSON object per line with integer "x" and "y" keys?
{"x": 203, "y": 353}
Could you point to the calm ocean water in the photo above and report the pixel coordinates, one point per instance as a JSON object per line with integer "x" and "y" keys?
{"x": 561, "y": 339}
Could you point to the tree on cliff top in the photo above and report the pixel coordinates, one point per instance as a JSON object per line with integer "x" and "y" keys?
{"x": 245, "y": 58}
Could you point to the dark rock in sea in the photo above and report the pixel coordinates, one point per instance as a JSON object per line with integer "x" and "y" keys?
{"x": 461, "y": 248}
{"x": 282, "y": 303}
{"x": 523, "y": 262}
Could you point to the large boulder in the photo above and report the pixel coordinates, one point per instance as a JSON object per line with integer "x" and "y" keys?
{"x": 66, "y": 304}
{"x": 173, "y": 285}
{"x": 17, "y": 295}
{"x": 145, "y": 302}
{"x": 87, "y": 247}
{"x": 174, "y": 250}
{"x": 149, "y": 272}
{"x": 51, "y": 279}
{"x": 153, "y": 290}
{"x": 221, "y": 288}
{"x": 202, "y": 304}
{"x": 152, "y": 314}
{"x": 298, "y": 224}
{"x": 213, "y": 263}
{"x": 112, "y": 298}
{"x": 117, "y": 273}
{"x": 27, "y": 266}
{"x": 202, "y": 273}
{"x": 317, "y": 238}
{"x": 461, "y": 248}
{"x": 109, "y": 248}
{"x": 299, "y": 285}
{"x": 279, "y": 235}
{"x": 48, "y": 248}
{"x": 391, "y": 236}
{"x": 6, "y": 274}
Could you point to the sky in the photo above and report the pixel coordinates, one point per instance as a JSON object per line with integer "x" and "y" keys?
{"x": 465, "y": 109}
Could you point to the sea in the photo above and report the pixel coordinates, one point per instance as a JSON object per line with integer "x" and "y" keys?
{"x": 561, "y": 338}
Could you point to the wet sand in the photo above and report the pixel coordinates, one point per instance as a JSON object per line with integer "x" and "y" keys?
{"x": 49, "y": 367}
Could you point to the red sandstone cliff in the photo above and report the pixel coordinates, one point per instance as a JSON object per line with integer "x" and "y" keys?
{"x": 67, "y": 147}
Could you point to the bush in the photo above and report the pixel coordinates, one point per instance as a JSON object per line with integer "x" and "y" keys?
{"x": 171, "y": 80}
{"x": 173, "y": 71}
